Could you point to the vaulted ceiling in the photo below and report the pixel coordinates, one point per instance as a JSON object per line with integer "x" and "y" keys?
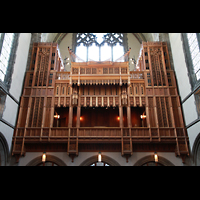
{"x": 58, "y": 37}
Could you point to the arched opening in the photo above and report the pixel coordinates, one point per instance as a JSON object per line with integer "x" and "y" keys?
{"x": 106, "y": 161}
{"x": 196, "y": 151}
{"x": 50, "y": 161}
{"x": 99, "y": 164}
{"x": 149, "y": 161}
{"x": 99, "y": 46}
{"x": 152, "y": 163}
{"x": 4, "y": 150}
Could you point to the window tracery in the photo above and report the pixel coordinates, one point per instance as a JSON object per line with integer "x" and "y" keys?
{"x": 99, "y": 46}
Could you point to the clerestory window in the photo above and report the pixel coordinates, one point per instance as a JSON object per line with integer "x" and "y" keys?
{"x": 194, "y": 53}
{"x": 8, "y": 46}
{"x": 191, "y": 43}
{"x": 99, "y": 47}
{"x": 7, "y": 42}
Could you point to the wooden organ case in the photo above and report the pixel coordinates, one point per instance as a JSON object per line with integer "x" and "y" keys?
{"x": 100, "y": 105}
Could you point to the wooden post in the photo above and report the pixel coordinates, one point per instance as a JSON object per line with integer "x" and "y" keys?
{"x": 78, "y": 116}
{"x": 70, "y": 116}
{"x": 121, "y": 124}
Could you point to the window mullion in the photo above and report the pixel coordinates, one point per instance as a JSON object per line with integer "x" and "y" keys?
{"x": 87, "y": 54}
{"x": 1, "y": 41}
{"x": 198, "y": 39}
{"x": 99, "y": 53}
{"x": 112, "y": 53}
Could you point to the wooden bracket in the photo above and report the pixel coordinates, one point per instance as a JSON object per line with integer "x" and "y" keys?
{"x": 127, "y": 157}
{"x": 72, "y": 156}
{"x": 17, "y": 157}
{"x": 183, "y": 156}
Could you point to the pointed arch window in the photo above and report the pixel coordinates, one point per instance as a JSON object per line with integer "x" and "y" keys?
{"x": 8, "y": 47}
{"x": 100, "y": 46}
{"x": 194, "y": 52}
{"x": 191, "y": 43}
{"x": 5, "y": 53}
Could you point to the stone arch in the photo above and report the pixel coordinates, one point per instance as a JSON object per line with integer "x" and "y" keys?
{"x": 196, "y": 149}
{"x": 49, "y": 158}
{"x": 150, "y": 158}
{"x": 4, "y": 150}
{"x": 58, "y": 37}
{"x": 141, "y": 37}
{"x": 105, "y": 158}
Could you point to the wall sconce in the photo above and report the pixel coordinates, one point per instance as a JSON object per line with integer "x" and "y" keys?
{"x": 143, "y": 116}
{"x": 57, "y": 116}
{"x": 156, "y": 157}
{"x": 99, "y": 157}
{"x": 81, "y": 118}
{"x": 118, "y": 118}
{"x": 44, "y": 157}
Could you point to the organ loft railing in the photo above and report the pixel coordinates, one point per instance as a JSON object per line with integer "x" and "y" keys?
{"x": 100, "y": 105}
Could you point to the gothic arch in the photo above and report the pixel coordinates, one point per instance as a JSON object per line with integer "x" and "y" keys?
{"x": 195, "y": 148}
{"x": 105, "y": 158}
{"x": 58, "y": 38}
{"x": 4, "y": 150}
{"x": 140, "y": 37}
{"x": 49, "y": 158}
{"x": 150, "y": 158}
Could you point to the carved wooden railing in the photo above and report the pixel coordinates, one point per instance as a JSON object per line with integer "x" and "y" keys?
{"x": 126, "y": 136}
{"x": 99, "y": 132}
{"x": 133, "y": 75}
{"x": 162, "y": 134}
{"x": 62, "y": 76}
{"x": 136, "y": 75}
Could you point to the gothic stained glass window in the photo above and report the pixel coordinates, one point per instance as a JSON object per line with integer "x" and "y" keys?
{"x": 5, "y": 53}
{"x": 99, "y": 46}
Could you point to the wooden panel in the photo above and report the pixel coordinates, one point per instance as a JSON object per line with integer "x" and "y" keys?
{"x": 50, "y": 92}
{"x": 24, "y": 110}
{"x": 149, "y": 91}
{"x": 99, "y": 117}
{"x": 175, "y": 111}
{"x": 48, "y": 112}
{"x": 151, "y": 112}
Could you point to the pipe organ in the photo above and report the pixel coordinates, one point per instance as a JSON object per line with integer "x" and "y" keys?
{"x": 100, "y": 105}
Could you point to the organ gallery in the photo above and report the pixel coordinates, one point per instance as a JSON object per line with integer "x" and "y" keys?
{"x": 100, "y": 106}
